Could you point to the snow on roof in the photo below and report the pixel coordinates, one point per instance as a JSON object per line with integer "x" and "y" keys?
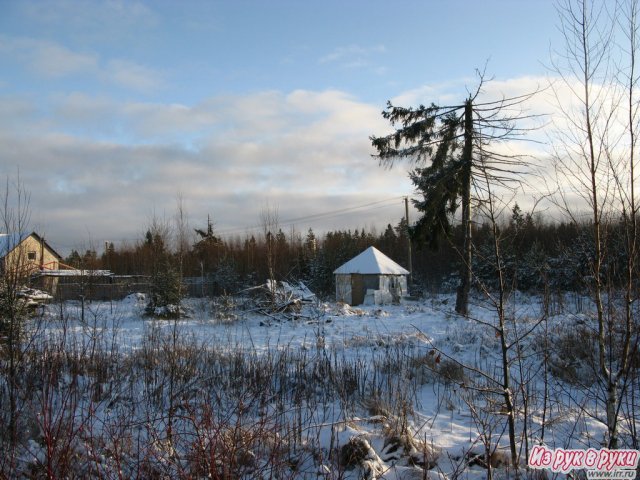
{"x": 76, "y": 273}
{"x": 371, "y": 261}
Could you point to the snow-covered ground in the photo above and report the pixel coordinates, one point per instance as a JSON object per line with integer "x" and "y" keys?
{"x": 418, "y": 390}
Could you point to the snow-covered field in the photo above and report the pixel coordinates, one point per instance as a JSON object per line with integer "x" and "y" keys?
{"x": 398, "y": 391}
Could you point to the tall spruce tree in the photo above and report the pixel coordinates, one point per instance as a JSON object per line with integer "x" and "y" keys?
{"x": 450, "y": 147}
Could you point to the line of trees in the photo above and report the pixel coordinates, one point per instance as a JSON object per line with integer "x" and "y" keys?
{"x": 538, "y": 255}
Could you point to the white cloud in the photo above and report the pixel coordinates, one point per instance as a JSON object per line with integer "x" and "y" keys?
{"x": 98, "y": 165}
{"x": 132, "y": 75}
{"x": 298, "y": 149}
{"x": 355, "y": 57}
{"x": 53, "y": 60}
{"x": 17, "y": 111}
{"x": 57, "y": 61}
{"x": 47, "y": 58}
{"x": 351, "y": 52}
{"x": 439, "y": 93}
{"x": 107, "y": 17}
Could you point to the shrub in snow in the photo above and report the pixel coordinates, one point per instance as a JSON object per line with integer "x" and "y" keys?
{"x": 355, "y": 452}
{"x": 224, "y": 309}
{"x": 451, "y": 371}
{"x": 134, "y": 299}
{"x": 497, "y": 459}
{"x": 406, "y": 449}
{"x": 572, "y": 354}
{"x": 223, "y": 453}
{"x": 432, "y": 367}
{"x": 166, "y": 311}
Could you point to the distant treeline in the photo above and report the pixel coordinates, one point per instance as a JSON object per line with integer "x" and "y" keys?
{"x": 537, "y": 254}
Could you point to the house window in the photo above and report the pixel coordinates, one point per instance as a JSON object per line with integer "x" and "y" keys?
{"x": 31, "y": 255}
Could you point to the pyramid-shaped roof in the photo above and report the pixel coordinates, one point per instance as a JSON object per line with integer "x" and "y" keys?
{"x": 371, "y": 262}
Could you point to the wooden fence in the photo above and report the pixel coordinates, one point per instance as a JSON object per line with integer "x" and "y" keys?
{"x": 113, "y": 287}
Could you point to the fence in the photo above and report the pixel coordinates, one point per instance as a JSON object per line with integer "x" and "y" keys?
{"x": 114, "y": 287}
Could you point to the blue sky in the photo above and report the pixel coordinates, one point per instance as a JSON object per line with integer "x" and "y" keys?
{"x": 110, "y": 110}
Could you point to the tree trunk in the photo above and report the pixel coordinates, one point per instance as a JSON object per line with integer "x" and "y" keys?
{"x": 612, "y": 414}
{"x": 462, "y": 294}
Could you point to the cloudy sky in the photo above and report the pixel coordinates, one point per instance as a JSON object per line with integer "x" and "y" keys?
{"x": 111, "y": 110}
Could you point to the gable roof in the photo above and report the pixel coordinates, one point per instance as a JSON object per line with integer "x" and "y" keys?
{"x": 371, "y": 261}
{"x": 9, "y": 241}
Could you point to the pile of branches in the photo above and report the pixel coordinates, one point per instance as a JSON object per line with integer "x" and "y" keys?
{"x": 281, "y": 300}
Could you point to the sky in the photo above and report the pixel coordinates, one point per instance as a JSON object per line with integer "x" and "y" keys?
{"x": 113, "y": 111}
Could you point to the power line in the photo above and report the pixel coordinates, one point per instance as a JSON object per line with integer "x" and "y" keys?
{"x": 342, "y": 210}
{"x": 317, "y": 216}
{"x": 366, "y": 207}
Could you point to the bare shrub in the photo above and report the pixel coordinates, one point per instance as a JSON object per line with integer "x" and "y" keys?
{"x": 178, "y": 408}
{"x": 572, "y": 354}
{"x": 451, "y": 371}
{"x": 354, "y": 452}
{"x": 432, "y": 367}
{"x": 497, "y": 459}
{"x": 401, "y": 446}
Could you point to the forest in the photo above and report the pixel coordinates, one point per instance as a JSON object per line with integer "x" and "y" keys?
{"x": 539, "y": 255}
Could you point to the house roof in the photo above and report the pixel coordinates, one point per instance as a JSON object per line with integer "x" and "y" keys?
{"x": 9, "y": 241}
{"x": 371, "y": 261}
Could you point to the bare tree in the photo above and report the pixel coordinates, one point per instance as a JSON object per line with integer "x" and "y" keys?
{"x": 269, "y": 221}
{"x": 183, "y": 241}
{"x": 15, "y": 216}
{"x": 506, "y": 326}
{"x": 595, "y": 155}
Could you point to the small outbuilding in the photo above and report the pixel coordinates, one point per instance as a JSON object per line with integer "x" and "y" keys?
{"x": 371, "y": 278}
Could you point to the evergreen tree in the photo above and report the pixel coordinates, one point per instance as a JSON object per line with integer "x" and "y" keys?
{"x": 310, "y": 242}
{"x": 208, "y": 248}
{"x": 449, "y": 145}
{"x": 165, "y": 289}
{"x": 74, "y": 259}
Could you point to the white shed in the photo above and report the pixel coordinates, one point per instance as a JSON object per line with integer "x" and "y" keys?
{"x": 371, "y": 278}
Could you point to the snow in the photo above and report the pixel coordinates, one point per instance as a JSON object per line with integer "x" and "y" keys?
{"x": 418, "y": 339}
{"x": 371, "y": 261}
{"x": 77, "y": 273}
{"x": 34, "y": 295}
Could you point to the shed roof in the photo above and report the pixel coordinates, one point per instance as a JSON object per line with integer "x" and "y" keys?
{"x": 371, "y": 262}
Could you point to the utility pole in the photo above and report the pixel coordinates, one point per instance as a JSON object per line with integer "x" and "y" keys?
{"x": 406, "y": 218}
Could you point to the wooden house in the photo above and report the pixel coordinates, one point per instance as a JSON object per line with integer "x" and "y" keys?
{"x": 26, "y": 254}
